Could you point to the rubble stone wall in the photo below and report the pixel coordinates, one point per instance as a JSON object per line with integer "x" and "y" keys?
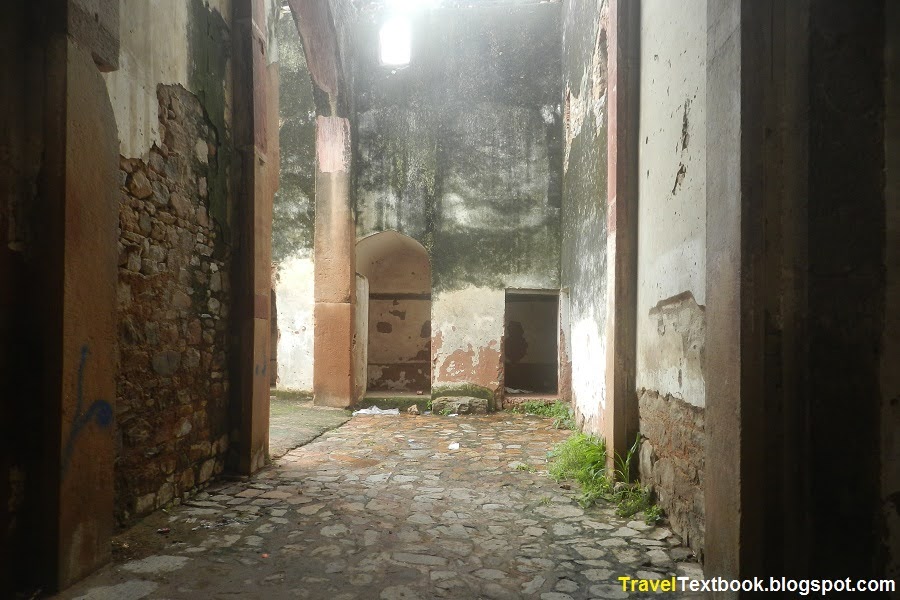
{"x": 173, "y": 302}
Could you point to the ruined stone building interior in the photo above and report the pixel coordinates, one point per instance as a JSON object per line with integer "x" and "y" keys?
{"x": 681, "y": 218}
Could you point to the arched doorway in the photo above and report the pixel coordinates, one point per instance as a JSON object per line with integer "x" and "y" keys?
{"x": 398, "y": 270}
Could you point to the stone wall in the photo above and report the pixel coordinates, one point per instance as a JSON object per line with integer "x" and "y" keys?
{"x": 172, "y": 384}
{"x": 672, "y": 461}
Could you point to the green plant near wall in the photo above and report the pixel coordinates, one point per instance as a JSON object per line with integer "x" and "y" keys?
{"x": 561, "y": 413}
{"x": 582, "y": 458}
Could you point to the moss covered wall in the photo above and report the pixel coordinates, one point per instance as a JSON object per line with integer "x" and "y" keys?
{"x": 461, "y": 150}
{"x": 293, "y": 211}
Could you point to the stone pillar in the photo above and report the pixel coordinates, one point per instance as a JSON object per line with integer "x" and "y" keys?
{"x": 255, "y": 92}
{"x": 76, "y": 257}
{"x": 725, "y": 346}
{"x": 335, "y": 266}
{"x": 620, "y": 419}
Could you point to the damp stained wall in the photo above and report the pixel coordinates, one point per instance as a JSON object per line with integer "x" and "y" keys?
{"x": 156, "y": 47}
{"x": 293, "y": 212}
{"x": 584, "y": 204}
{"x": 461, "y": 150}
{"x": 671, "y": 296}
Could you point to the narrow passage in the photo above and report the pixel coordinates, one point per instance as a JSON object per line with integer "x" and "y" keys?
{"x": 383, "y": 508}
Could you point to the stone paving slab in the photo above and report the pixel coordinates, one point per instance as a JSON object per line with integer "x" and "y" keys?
{"x": 382, "y": 508}
{"x": 295, "y": 421}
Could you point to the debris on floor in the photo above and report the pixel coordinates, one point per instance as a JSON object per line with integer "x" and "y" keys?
{"x": 374, "y": 410}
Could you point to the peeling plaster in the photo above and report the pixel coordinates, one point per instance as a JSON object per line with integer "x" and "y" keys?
{"x": 671, "y": 357}
{"x": 672, "y": 202}
{"x": 467, "y": 337}
{"x": 585, "y": 235}
{"x": 590, "y": 99}
{"x": 154, "y": 49}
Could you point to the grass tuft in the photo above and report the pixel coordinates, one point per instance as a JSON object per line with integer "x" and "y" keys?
{"x": 582, "y": 458}
{"x": 562, "y": 415}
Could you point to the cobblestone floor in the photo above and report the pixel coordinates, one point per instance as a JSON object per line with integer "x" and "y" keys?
{"x": 383, "y": 508}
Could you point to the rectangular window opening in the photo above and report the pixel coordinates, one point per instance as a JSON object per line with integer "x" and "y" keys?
{"x": 395, "y": 43}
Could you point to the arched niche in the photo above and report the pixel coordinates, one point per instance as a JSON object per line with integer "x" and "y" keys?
{"x": 398, "y": 271}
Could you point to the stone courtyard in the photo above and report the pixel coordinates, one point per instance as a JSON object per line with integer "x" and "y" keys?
{"x": 389, "y": 507}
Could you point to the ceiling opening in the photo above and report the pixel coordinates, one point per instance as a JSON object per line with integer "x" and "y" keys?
{"x": 394, "y": 42}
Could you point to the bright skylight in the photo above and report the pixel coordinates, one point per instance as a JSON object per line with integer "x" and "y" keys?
{"x": 394, "y": 42}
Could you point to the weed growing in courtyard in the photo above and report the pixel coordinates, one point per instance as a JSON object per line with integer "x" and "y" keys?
{"x": 582, "y": 458}
{"x": 560, "y": 412}
{"x": 653, "y": 515}
{"x": 526, "y": 467}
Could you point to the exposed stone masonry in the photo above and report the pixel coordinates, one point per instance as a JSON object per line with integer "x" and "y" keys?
{"x": 672, "y": 461}
{"x": 173, "y": 303}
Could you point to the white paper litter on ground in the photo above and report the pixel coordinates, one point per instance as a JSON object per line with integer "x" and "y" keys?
{"x": 374, "y": 410}
{"x": 454, "y": 446}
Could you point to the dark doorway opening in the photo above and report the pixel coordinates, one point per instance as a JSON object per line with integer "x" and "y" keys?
{"x": 530, "y": 352}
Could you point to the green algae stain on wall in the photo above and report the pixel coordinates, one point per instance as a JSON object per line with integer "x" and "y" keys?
{"x": 462, "y": 149}
{"x": 293, "y": 212}
{"x": 209, "y": 45}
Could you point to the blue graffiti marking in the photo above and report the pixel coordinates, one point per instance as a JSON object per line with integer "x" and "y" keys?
{"x": 100, "y": 411}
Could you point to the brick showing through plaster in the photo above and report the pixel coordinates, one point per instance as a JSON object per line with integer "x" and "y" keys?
{"x": 672, "y": 461}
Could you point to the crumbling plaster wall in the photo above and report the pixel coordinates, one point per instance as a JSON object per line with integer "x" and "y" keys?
{"x": 467, "y": 163}
{"x": 293, "y": 223}
{"x": 156, "y": 47}
{"x": 172, "y": 99}
{"x": 173, "y": 310}
{"x": 584, "y": 206}
{"x": 672, "y": 259}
